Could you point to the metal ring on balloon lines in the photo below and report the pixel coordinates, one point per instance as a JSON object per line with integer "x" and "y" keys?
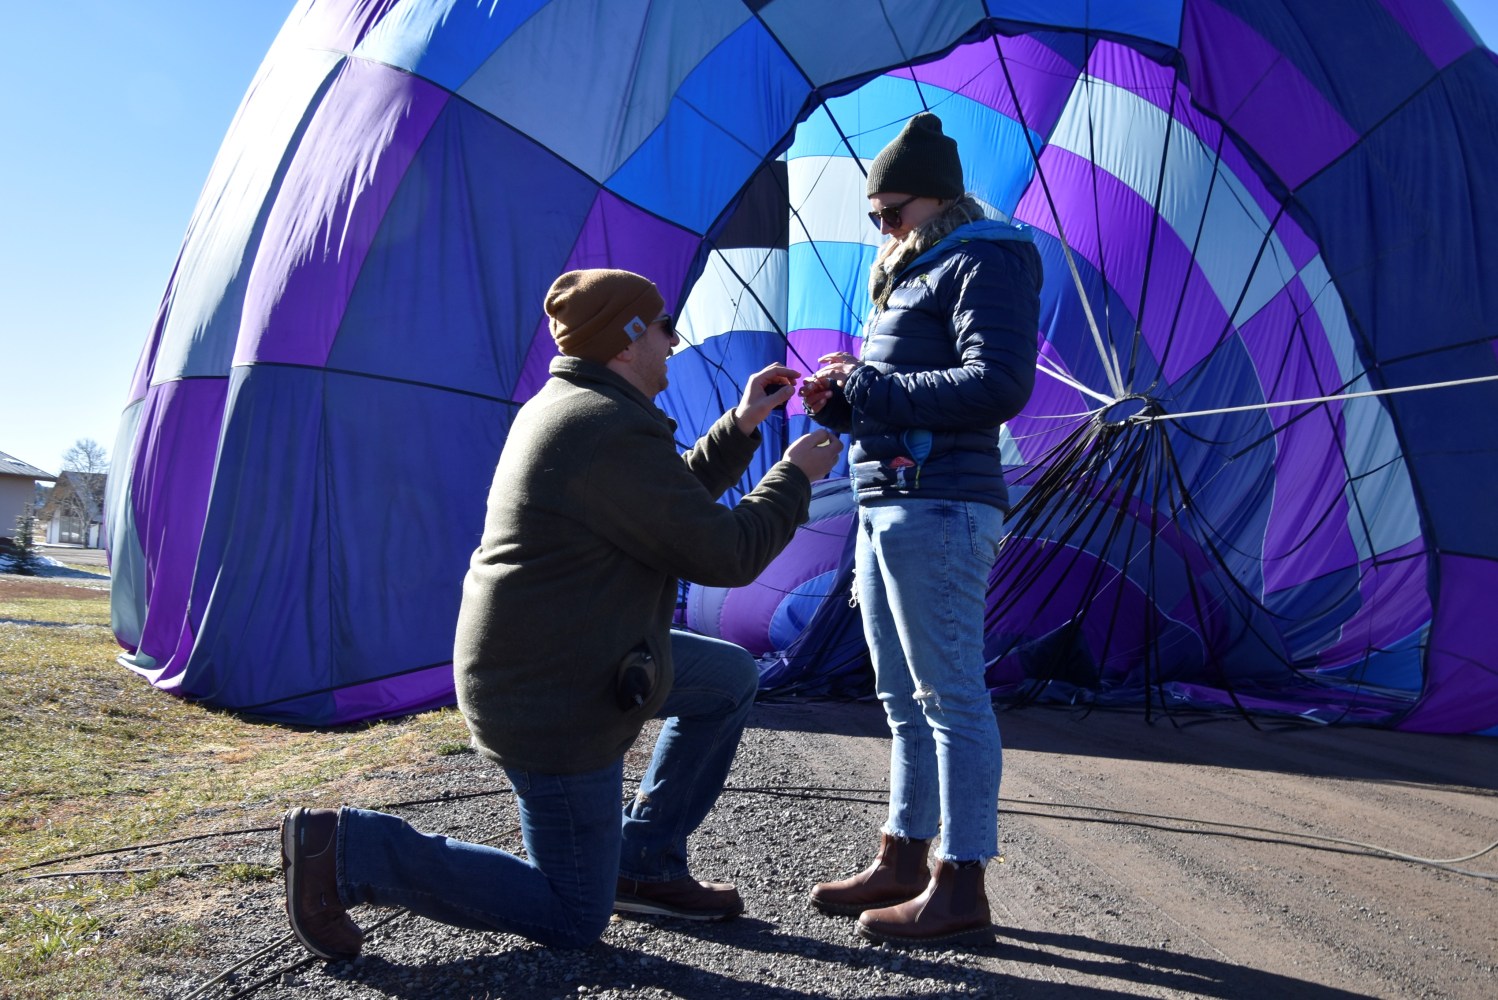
{"x": 1133, "y": 408}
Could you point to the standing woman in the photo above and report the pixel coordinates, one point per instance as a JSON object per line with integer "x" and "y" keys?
{"x": 948, "y": 356}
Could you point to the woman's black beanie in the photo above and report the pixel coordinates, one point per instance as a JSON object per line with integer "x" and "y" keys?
{"x": 921, "y": 161}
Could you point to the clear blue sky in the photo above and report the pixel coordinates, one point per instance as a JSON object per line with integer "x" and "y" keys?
{"x": 111, "y": 116}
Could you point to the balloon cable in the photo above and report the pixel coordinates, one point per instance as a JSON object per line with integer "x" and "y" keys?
{"x": 1012, "y": 807}
{"x": 1105, "y": 355}
{"x": 1150, "y": 417}
{"x": 1046, "y": 366}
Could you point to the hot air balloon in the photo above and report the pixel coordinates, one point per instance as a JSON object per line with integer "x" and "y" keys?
{"x": 1257, "y": 466}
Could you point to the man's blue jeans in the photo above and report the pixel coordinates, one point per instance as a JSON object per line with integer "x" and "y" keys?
{"x": 576, "y": 843}
{"x": 922, "y": 569}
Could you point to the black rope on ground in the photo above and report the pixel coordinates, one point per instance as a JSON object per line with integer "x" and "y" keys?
{"x": 1115, "y": 817}
{"x": 879, "y": 796}
{"x": 134, "y": 847}
{"x": 246, "y": 961}
{"x": 141, "y": 870}
{"x": 230, "y": 833}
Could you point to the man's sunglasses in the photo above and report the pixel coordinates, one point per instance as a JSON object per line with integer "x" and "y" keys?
{"x": 666, "y": 321}
{"x": 889, "y": 215}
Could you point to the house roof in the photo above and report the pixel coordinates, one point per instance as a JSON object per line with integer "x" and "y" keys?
{"x": 12, "y": 466}
{"x": 89, "y": 486}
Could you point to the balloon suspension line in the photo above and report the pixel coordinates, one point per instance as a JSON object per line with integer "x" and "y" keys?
{"x": 1113, "y": 506}
{"x": 1045, "y": 365}
{"x": 1109, "y": 360}
{"x": 1150, "y": 416}
{"x": 1105, "y": 353}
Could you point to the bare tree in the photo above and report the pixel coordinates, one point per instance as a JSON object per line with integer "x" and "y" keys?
{"x": 80, "y": 491}
{"x": 86, "y": 455}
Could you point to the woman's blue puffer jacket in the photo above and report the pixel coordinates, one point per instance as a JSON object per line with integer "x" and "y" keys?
{"x": 946, "y": 362}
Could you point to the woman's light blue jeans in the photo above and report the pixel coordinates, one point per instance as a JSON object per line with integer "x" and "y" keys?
{"x": 922, "y": 569}
{"x": 577, "y": 843}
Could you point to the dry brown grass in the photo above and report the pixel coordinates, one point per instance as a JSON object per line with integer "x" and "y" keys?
{"x": 95, "y": 759}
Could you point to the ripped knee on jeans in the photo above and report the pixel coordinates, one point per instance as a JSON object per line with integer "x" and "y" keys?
{"x": 928, "y": 697}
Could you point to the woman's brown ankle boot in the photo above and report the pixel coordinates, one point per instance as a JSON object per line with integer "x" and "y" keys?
{"x": 952, "y": 910}
{"x": 897, "y": 874}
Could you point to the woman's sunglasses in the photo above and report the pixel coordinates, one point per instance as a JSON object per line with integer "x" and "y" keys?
{"x": 889, "y": 215}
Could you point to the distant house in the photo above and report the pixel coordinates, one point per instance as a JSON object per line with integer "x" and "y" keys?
{"x": 73, "y": 513}
{"x": 17, "y": 489}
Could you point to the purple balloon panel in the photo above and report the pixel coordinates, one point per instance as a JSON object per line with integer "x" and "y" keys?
{"x": 365, "y": 133}
{"x": 977, "y": 71}
{"x": 619, "y": 235}
{"x": 1460, "y": 694}
{"x": 172, "y": 479}
{"x": 1392, "y": 604}
{"x": 1434, "y": 28}
{"x": 1109, "y": 235}
{"x": 1307, "y": 531}
{"x": 1261, "y": 95}
{"x": 393, "y": 696}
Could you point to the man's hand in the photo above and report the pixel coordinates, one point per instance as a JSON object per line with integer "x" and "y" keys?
{"x": 815, "y": 454}
{"x": 768, "y": 388}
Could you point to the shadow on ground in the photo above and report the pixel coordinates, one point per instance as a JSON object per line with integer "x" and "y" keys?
{"x": 1223, "y": 739}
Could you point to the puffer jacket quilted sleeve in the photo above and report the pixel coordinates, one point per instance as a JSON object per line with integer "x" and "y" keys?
{"x": 946, "y": 362}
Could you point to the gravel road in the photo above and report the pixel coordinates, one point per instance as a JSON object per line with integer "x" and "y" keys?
{"x": 1175, "y": 859}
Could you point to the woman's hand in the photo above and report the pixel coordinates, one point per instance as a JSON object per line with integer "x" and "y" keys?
{"x": 818, "y": 388}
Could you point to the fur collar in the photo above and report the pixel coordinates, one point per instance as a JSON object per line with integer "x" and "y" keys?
{"x": 896, "y": 255}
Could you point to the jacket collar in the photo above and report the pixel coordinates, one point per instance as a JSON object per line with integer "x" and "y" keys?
{"x": 592, "y": 375}
{"x": 983, "y": 230}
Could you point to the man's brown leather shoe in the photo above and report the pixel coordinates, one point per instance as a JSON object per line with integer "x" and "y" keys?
{"x": 897, "y": 874}
{"x": 309, "y": 839}
{"x": 952, "y": 910}
{"x": 682, "y": 897}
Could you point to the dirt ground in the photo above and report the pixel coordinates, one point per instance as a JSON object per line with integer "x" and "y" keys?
{"x": 1183, "y": 858}
{"x": 1193, "y": 857}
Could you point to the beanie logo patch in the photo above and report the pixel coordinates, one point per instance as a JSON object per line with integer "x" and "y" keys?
{"x": 635, "y": 328}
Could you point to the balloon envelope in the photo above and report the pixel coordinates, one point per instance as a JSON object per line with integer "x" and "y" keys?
{"x": 1246, "y": 475}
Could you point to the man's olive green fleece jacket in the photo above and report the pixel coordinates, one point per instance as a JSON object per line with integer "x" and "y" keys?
{"x": 592, "y": 517}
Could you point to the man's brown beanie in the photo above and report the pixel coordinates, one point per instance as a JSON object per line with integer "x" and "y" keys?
{"x": 597, "y": 313}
